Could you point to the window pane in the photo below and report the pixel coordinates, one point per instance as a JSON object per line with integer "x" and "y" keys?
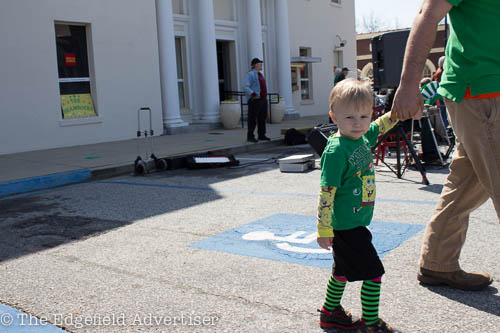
{"x": 295, "y": 81}
{"x": 223, "y": 10}
{"x": 77, "y": 106}
{"x": 305, "y": 89}
{"x": 180, "y": 62}
{"x": 305, "y": 72}
{"x": 262, "y": 12}
{"x": 427, "y": 72}
{"x": 338, "y": 59}
{"x": 182, "y": 104}
{"x": 178, "y": 55}
{"x": 178, "y": 6}
{"x": 68, "y": 88}
{"x": 71, "y": 43}
{"x": 76, "y": 101}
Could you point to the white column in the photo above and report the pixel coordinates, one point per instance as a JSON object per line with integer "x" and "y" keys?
{"x": 168, "y": 69}
{"x": 283, "y": 50}
{"x": 209, "y": 77}
{"x": 254, "y": 30}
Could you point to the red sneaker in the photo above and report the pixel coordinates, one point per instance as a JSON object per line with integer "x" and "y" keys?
{"x": 379, "y": 327}
{"x": 338, "y": 318}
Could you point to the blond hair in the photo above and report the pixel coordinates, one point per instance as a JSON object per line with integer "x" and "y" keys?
{"x": 351, "y": 91}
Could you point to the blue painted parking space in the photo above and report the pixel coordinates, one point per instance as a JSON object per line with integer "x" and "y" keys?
{"x": 15, "y": 321}
{"x": 292, "y": 238}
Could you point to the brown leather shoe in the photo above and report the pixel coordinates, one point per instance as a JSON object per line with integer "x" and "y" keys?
{"x": 457, "y": 279}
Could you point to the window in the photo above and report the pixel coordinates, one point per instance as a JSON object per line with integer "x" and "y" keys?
{"x": 295, "y": 77}
{"x": 73, "y": 68}
{"x": 262, "y": 12}
{"x": 178, "y": 7}
{"x": 305, "y": 75}
{"x": 223, "y": 10}
{"x": 181, "y": 82}
{"x": 427, "y": 72}
{"x": 338, "y": 59}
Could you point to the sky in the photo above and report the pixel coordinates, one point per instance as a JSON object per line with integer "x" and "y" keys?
{"x": 390, "y": 13}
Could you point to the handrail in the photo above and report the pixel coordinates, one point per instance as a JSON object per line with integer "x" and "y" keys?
{"x": 269, "y": 96}
{"x": 239, "y": 94}
{"x": 242, "y": 93}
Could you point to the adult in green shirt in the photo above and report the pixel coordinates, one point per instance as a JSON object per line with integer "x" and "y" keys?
{"x": 470, "y": 85}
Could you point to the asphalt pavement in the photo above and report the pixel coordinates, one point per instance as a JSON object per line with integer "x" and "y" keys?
{"x": 221, "y": 250}
{"x": 37, "y": 170}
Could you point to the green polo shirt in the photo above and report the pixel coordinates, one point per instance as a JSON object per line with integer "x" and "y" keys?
{"x": 472, "y": 51}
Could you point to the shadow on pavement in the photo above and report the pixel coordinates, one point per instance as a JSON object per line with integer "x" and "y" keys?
{"x": 47, "y": 219}
{"x": 486, "y": 300}
{"x": 437, "y": 169}
{"x": 25, "y": 229}
{"x": 434, "y": 188}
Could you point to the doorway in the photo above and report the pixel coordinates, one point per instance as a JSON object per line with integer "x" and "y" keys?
{"x": 226, "y": 66}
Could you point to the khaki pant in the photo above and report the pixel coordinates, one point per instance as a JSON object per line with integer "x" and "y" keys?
{"x": 474, "y": 177}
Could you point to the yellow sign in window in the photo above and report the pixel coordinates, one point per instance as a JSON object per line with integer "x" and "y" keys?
{"x": 77, "y": 106}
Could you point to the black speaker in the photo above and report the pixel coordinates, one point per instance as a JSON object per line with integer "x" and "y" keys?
{"x": 429, "y": 150}
{"x": 388, "y": 51}
{"x": 318, "y": 136}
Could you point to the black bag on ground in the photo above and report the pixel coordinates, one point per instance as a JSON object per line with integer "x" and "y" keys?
{"x": 294, "y": 137}
{"x": 318, "y": 136}
{"x": 430, "y": 152}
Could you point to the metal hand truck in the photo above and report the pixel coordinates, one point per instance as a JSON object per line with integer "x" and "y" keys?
{"x": 144, "y": 166}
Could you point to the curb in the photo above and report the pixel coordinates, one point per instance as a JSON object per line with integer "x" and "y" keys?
{"x": 44, "y": 182}
{"x": 25, "y": 185}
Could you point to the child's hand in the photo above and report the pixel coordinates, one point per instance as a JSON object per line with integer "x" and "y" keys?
{"x": 325, "y": 242}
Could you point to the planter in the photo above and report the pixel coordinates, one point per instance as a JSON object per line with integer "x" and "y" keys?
{"x": 230, "y": 114}
{"x": 278, "y": 111}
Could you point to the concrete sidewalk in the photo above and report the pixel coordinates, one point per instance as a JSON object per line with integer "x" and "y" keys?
{"x": 41, "y": 169}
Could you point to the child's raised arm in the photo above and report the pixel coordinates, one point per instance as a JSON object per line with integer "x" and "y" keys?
{"x": 385, "y": 123}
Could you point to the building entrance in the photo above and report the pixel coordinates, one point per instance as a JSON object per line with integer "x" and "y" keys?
{"x": 226, "y": 64}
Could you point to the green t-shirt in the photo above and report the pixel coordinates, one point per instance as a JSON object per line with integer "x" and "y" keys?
{"x": 348, "y": 165}
{"x": 472, "y": 51}
{"x": 339, "y": 78}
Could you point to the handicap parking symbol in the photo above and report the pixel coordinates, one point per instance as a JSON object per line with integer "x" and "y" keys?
{"x": 292, "y": 238}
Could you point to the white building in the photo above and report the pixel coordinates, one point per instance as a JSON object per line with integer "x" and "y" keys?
{"x": 76, "y": 72}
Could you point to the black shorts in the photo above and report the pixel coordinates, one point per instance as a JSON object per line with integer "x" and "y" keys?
{"x": 354, "y": 255}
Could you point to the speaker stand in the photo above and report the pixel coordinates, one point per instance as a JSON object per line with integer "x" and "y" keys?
{"x": 399, "y": 171}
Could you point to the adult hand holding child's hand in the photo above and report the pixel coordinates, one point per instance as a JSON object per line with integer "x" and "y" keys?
{"x": 408, "y": 103}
